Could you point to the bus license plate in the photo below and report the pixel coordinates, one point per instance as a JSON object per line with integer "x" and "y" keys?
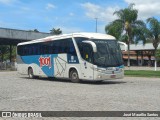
{"x": 113, "y": 76}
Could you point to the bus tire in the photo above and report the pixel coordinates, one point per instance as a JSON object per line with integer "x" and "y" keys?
{"x": 74, "y": 76}
{"x": 30, "y": 73}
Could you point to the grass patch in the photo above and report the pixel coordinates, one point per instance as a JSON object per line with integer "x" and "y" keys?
{"x": 142, "y": 73}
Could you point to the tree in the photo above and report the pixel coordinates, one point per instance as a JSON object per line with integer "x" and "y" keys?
{"x": 3, "y": 50}
{"x": 128, "y": 25}
{"x": 154, "y": 35}
{"x": 35, "y": 30}
{"x": 115, "y": 29}
{"x": 13, "y": 55}
{"x": 56, "y": 31}
{"x": 158, "y": 55}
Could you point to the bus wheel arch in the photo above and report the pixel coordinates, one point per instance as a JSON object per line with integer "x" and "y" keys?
{"x": 73, "y": 75}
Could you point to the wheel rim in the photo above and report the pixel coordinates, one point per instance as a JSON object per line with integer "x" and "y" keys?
{"x": 30, "y": 73}
{"x": 74, "y": 76}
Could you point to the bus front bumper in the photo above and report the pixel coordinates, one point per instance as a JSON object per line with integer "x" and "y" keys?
{"x": 103, "y": 76}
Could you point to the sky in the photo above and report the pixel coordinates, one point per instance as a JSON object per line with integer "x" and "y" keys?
{"x": 69, "y": 15}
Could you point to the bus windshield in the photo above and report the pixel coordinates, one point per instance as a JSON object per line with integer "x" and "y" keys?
{"x": 108, "y": 53}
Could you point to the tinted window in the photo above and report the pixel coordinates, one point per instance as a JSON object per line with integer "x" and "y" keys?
{"x": 51, "y": 47}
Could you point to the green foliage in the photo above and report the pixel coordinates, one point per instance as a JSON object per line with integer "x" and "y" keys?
{"x": 124, "y": 38}
{"x": 114, "y": 29}
{"x": 56, "y": 31}
{"x": 35, "y": 30}
{"x": 154, "y": 34}
{"x": 154, "y": 31}
{"x": 158, "y": 55}
{"x": 5, "y": 54}
{"x": 3, "y": 50}
{"x": 128, "y": 14}
{"x": 127, "y": 28}
{"x": 127, "y": 22}
{"x": 140, "y": 34}
{"x": 142, "y": 73}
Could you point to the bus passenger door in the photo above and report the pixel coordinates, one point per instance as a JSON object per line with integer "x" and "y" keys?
{"x": 87, "y": 62}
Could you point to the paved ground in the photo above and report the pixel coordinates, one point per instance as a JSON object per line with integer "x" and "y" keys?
{"x": 19, "y": 93}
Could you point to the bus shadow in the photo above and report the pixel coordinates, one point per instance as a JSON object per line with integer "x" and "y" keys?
{"x": 49, "y": 79}
{"x": 104, "y": 82}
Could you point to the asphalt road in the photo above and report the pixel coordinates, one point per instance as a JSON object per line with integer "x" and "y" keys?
{"x": 18, "y": 93}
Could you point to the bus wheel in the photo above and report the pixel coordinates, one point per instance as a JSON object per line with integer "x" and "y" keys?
{"x": 30, "y": 73}
{"x": 74, "y": 76}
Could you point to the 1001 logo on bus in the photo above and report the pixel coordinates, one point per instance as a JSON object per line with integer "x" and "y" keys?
{"x": 45, "y": 61}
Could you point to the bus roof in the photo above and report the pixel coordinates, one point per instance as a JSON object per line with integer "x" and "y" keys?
{"x": 84, "y": 34}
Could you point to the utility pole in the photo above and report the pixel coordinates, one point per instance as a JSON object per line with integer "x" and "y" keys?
{"x": 96, "y": 24}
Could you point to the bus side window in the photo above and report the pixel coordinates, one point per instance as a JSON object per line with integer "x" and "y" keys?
{"x": 66, "y": 46}
{"x": 22, "y": 50}
{"x": 32, "y": 50}
{"x": 41, "y": 49}
{"x": 26, "y": 50}
{"x": 36, "y": 49}
{"x": 71, "y": 48}
{"x": 63, "y": 45}
{"x": 55, "y": 47}
{"x": 50, "y": 48}
{"x": 46, "y": 49}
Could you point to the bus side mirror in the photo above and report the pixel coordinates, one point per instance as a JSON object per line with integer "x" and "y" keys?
{"x": 123, "y": 46}
{"x": 94, "y": 47}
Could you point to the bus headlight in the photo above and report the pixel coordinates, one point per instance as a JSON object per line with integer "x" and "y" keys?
{"x": 96, "y": 69}
{"x": 99, "y": 76}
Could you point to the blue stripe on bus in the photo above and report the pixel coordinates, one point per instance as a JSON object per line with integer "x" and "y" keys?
{"x": 46, "y": 62}
{"x": 42, "y": 61}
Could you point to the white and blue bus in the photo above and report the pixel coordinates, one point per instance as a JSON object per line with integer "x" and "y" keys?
{"x": 77, "y": 56}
